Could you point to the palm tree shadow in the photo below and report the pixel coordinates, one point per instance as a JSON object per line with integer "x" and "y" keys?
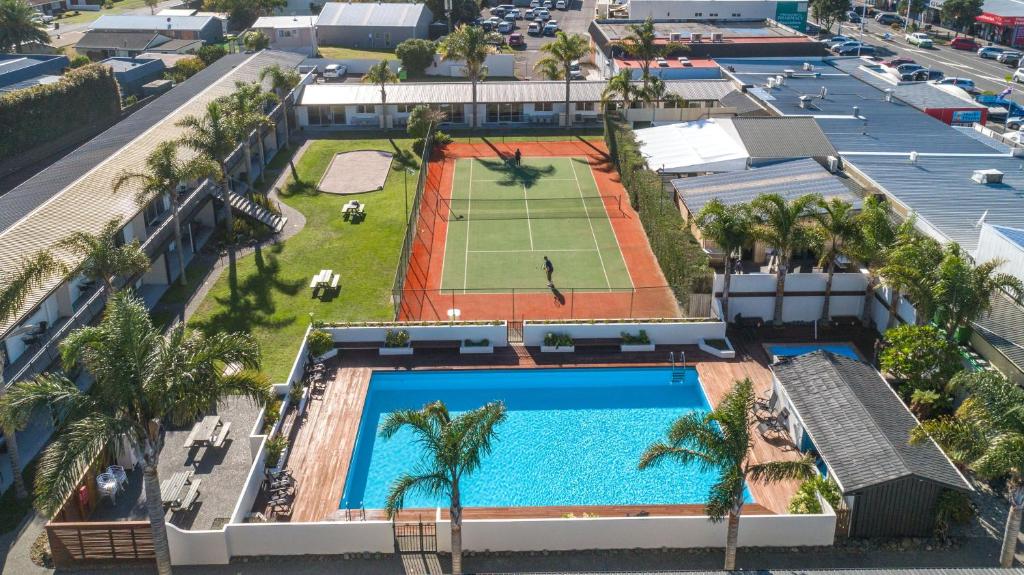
{"x": 251, "y": 302}
{"x": 517, "y": 175}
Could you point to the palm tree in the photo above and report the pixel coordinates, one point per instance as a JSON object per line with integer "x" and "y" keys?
{"x": 31, "y": 274}
{"x": 281, "y": 82}
{"x": 455, "y": 446}
{"x": 213, "y": 137}
{"x": 381, "y": 74}
{"x": 105, "y": 256}
{"x": 655, "y": 93}
{"x": 877, "y": 232}
{"x": 781, "y": 225}
{"x": 732, "y": 229}
{"x": 621, "y": 87}
{"x": 142, "y": 379}
{"x": 165, "y": 171}
{"x": 986, "y": 434}
{"x": 246, "y": 109}
{"x": 963, "y": 292}
{"x": 838, "y": 226}
{"x": 20, "y": 23}
{"x": 472, "y": 45}
{"x": 642, "y": 43}
{"x": 910, "y": 265}
{"x": 720, "y": 441}
{"x": 560, "y": 55}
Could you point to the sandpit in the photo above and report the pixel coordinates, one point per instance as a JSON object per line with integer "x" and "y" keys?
{"x": 356, "y": 172}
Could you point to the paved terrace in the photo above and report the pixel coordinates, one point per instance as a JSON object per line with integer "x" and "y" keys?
{"x": 323, "y": 445}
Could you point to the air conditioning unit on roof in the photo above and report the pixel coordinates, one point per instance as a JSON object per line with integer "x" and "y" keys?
{"x": 987, "y": 177}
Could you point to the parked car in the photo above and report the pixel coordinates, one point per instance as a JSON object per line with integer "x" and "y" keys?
{"x": 853, "y": 17}
{"x": 897, "y": 61}
{"x": 576, "y": 75}
{"x": 515, "y": 13}
{"x": 964, "y": 44}
{"x": 335, "y": 71}
{"x": 1010, "y": 57}
{"x": 888, "y": 18}
{"x": 534, "y": 3}
{"x": 837, "y": 39}
{"x": 1018, "y": 75}
{"x": 846, "y": 44}
{"x": 550, "y": 28}
{"x": 574, "y": 66}
{"x": 906, "y": 71}
{"x": 498, "y": 11}
{"x": 928, "y": 75}
{"x": 1015, "y": 123}
{"x": 965, "y": 84}
{"x": 561, "y": 5}
{"x": 990, "y": 52}
{"x": 516, "y": 40}
{"x": 547, "y": 4}
{"x": 535, "y": 29}
{"x": 856, "y": 50}
{"x": 507, "y": 26}
{"x": 919, "y": 39}
{"x": 543, "y": 14}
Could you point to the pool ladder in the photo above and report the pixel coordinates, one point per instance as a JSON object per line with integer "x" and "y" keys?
{"x": 678, "y": 371}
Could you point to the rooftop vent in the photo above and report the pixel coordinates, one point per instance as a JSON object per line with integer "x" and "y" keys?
{"x": 913, "y": 157}
{"x": 805, "y": 101}
{"x": 780, "y": 80}
{"x": 771, "y": 82}
{"x": 823, "y": 93}
{"x": 789, "y": 72}
{"x": 856, "y": 111}
{"x": 808, "y": 67}
{"x": 987, "y": 177}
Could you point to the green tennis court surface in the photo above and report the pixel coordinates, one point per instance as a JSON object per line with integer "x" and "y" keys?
{"x": 503, "y": 220}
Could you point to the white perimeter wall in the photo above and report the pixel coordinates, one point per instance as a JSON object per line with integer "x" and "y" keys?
{"x": 794, "y": 307}
{"x": 663, "y": 333}
{"x": 497, "y": 333}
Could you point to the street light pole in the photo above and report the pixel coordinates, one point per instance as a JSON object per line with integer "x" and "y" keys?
{"x": 448, "y": 14}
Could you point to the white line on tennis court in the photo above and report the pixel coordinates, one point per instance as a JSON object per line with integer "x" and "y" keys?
{"x": 544, "y": 179}
{"x": 590, "y": 223}
{"x": 469, "y": 206}
{"x": 529, "y": 226}
{"x": 528, "y": 251}
{"x": 615, "y": 236}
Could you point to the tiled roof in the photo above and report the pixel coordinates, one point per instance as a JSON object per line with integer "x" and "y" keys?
{"x": 858, "y": 423}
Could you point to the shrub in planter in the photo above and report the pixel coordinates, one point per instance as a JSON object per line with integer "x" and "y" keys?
{"x": 275, "y": 447}
{"x": 476, "y": 343}
{"x": 639, "y": 339}
{"x": 396, "y": 338}
{"x": 552, "y": 339}
{"x": 271, "y": 415}
{"x": 295, "y": 394}
{"x": 805, "y": 502}
{"x": 320, "y": 342}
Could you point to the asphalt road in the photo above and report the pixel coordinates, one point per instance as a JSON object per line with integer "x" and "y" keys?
{"x": 575, "y": 20}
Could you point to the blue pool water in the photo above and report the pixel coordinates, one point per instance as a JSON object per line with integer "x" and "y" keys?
{"x": 789, "y": 350}
{"x": 571, "y": 437}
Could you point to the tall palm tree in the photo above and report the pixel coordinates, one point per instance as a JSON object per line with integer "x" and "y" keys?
{"x": 471, "y": 45}
{"x": 643, "y": 44}
{"x": 281, "y": 82}
{"x": 621, "y": 87}
{"x": 381, "y": 75}
{"x": 31, "y": 273}
{"x": 142, "y": 379}
{"x": 106, "y": 257}
{"x": 720, "y": 441}
{"x": 655, "y": 93}
{"x": 877, "y": 232}
{"x": 838, "y": 226}
{"x": 455, "y": 448}
{"x": 732, "y": 229}
{"x": 910, "y": 265}
{"x": 559, "y": 57}
{"x": 213, "y": 136}
{"x": 246, "y": 108}
{"x": 165, "y": 171}
{"x": 986, "y": 434}
{"x": 782, "y": 225}
{"x": 964, "y": 292}
{"x": 20, "y": 23}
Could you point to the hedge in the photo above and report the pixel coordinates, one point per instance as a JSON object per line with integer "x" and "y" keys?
{"x": 682, "y": 261}
{"x": 83, "y": 97}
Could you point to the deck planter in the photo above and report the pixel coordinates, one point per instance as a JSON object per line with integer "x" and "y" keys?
{"x": 407, "y": 350}
{"x": 630, "y": 347}
{"x": 475, "y": 349}
{"x": 558, "y": 349}
{"x": 728, "y": 353}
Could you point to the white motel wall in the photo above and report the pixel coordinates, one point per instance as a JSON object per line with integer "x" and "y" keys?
{"x": 661, "y": 332}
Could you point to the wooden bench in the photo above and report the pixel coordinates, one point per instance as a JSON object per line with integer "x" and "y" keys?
{"x": 597, "y": 342}
{"x": 438, "y": 344}
{"x": 222, "y": 434}
{"x": 191, "y": 496}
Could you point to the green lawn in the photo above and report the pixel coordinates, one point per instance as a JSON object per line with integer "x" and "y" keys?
{"x": 336, "y": 53}
{"x": 272, "y": 299}
{"x": 120, "y": 7}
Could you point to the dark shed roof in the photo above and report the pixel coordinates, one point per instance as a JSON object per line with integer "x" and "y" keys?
{"x": 858, "y": 423}
{"x": 783, "y": 138}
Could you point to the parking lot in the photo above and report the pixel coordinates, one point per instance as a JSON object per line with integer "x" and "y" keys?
{"x": 574, "y": 20}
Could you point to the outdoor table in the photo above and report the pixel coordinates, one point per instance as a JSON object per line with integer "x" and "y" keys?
{"x": 202, "y": 431}
{"x": 170, "y": 489}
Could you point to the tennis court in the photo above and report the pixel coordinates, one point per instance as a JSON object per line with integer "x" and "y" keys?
{"x": 503, "y": 219}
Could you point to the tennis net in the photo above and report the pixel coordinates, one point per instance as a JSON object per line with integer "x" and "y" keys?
{"x": 466, "y": 209}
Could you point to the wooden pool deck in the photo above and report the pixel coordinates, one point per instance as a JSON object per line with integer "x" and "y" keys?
{"x": 324, "y": 443}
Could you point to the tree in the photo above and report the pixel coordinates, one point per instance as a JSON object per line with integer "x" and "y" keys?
{"x": 416, "y": 54}
{"x": 720, "y": 441}
{"x": 212, "y": 136}
{"x": 79, "y": 61}
{"x": 643, "y": 44}
{"x": 961, "y": 14}
{"x": 621, "y": 87}
{"x": 912, "y": 8}
{"x": 781, "y": 225}
{"x": 919, "y": 358}
{"x": 422, "y": 120}
{"x": 559, "y": 56}
{"x": 471, "y": 45}
{"x": 655, "y": 93}
{"x": 243, "y": 13}
{"x": 455, "y": 449}
{"x": 165, "y": 172}
{"x": 732, "y": 229}
{"x": 281, "y": 82}
{"x": 185, "y": 69}
{"x": 838, "y": 227}
{"x": 876, "y": 234}
{"x": 910, "y": 265}
{"x": 987, "y": 433}
{"x": 246, "y": 109}
{"x": 31, "y": 274}
{"x": 381, "y": 75}
{"x": 142, "y": 379}
{"x": 255, "y": 41}
{"x": 20, "y": 24}
{"x": 210, "y": 53}
{"x": 106, "y": 257}
{"x": 829, "y": 12}
{"x": 964, "y": 292}
{"x": 152, "y": 4}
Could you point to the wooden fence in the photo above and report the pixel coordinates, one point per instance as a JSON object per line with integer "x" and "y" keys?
{"x": 73, "y": 544}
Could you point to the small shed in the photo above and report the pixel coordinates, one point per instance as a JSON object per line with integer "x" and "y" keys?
{"x": 842, "y": 409}
{"x": 133, "y": 73}
{"x": 371, "y": 26}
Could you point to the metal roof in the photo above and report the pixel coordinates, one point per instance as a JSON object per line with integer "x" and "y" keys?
{"x": 744, "y": 104}
{"x": 1003, "y": 328}
{"x": 102, "y": 40}
{"x": 783, "y": 138}
{"x": 149, "y": 22}
{"x": 858, "y": 423}
{"x": 1003, "y": 7}
{"x": 74, "y": 194}
{"x": 854, "y": 571}
{"x": 788, "y": 179}
{"x": 491, "y": 92}
{"x": 284, "y": 22}
{"x": 371, "y": 14}
{"x": 1015, "y": 235}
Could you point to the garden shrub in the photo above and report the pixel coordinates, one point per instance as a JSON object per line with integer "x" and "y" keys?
{"x": 396, "y": 338}
{"x": 320, "y": 342}
{"x": 804, "y": 501}
{"x": 416, "y": 55}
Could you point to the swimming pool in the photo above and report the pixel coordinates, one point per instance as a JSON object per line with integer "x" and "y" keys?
{"x": 795, "y": 349}
{"x": 571, "y": 436}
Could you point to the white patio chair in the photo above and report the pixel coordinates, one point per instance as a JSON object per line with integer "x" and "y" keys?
{"x": 119, "y": 474}
{"x": 107, "y": 486}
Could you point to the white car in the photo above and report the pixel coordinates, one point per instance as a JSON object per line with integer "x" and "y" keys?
{"x": 561, "y": 5}
{"x": 919, "y": 39}
{"x": 1018, "y": 75}
{"x": 335, "y": 71}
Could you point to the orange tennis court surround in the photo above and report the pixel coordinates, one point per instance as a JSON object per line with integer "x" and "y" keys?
{"x": 426, "y": 296}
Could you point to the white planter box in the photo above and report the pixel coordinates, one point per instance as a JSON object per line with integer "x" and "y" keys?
{"x": 628, "y": 347}
{"x": 560, "y": 349}
{"x": 395, "y": 350}
{"x": 330, "y": 353}
{"x": 476, "y": 349}
{"x": 722, "y": 353}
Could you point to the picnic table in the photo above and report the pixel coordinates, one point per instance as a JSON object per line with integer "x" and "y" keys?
{"x": 203, "y": 431}
{"x": 353, "y": 208}
{"x": 324, "y": 279}
{"x": 171, "y": 488}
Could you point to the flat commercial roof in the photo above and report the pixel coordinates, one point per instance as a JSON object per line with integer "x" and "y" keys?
{"x": 74, "y": 194}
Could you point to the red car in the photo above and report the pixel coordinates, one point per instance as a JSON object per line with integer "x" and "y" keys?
{"x": 516, "y": 40}
{"x": 897, "y": 62}
{"x": 964, "y": 44}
